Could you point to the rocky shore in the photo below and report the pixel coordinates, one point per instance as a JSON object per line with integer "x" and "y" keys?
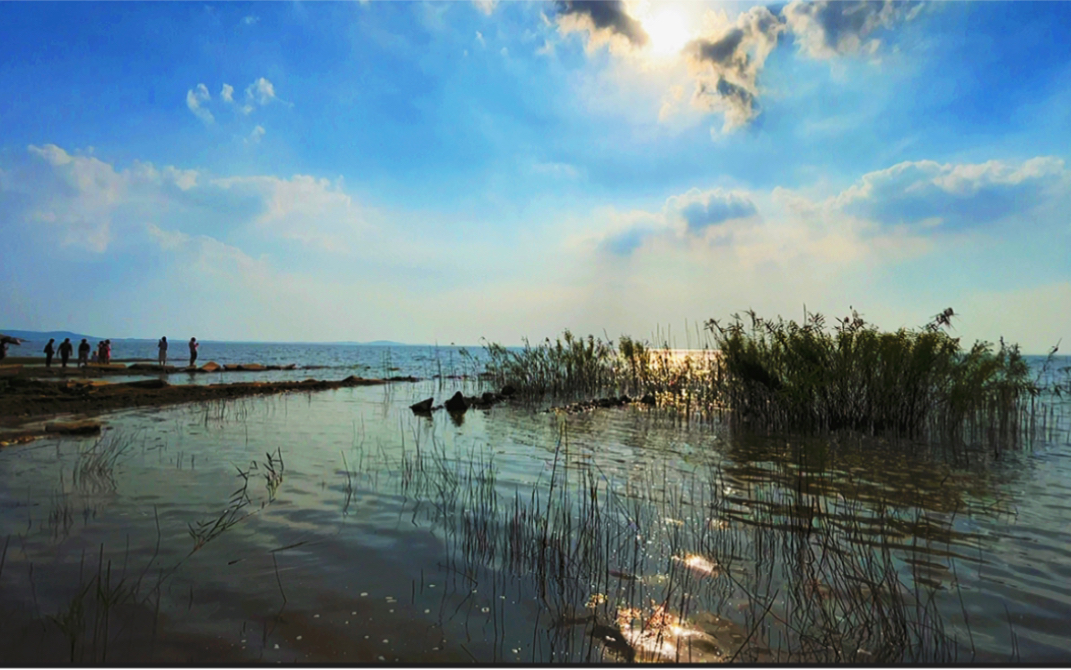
{"x": 34, "y": 367}
{"x": 24, "y": 401}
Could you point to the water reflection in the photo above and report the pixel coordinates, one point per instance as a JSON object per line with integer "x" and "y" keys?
{"x": 338, "y": 527}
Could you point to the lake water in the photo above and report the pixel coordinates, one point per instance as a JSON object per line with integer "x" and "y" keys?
{"x": 338, "y": 527}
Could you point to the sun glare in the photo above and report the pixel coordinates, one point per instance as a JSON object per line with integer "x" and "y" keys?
{"x": 668, "y": 31}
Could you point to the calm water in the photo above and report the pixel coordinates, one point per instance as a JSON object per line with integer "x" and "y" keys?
{"x": 346, "y": 359}
{"x": 371, "y": 534}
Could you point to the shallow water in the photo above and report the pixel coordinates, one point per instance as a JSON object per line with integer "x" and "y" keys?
{"x": 372, "y": 533}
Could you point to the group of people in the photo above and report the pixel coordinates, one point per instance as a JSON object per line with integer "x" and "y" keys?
{"x": 162, "y": 347}
{"x": 103, "y": 354}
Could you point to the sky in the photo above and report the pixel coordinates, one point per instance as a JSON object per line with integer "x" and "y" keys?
{"x": 437, "y": 172}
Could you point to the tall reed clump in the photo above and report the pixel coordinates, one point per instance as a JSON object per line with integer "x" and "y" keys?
{"x": 782, "y": 375}
{"x": 578, "y": 366}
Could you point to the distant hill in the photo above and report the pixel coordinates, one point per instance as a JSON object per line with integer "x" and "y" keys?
{"x": 42, "y": 336}
{"x": 59, "y": 335}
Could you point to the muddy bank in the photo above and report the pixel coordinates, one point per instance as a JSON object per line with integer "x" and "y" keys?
{"x": 25, "y": 400}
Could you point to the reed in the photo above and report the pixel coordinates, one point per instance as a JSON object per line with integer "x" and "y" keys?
{"x": 778, "y": 375}
{"x": 669, "y": 567}
{"x": 785, "y": 376}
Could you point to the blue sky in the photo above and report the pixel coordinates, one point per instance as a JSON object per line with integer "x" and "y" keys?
{"x": 449, "y": 171}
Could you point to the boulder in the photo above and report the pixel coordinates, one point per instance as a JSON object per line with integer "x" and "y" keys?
{"x": 210, "y": 366}
{"x": 251, "y": 367}
{"x": 232, "y": 367}
{"x": 648, "y": 399}
{"x": 489, "y": 398}
{"x": 422, "y": 407}
{"x": 457, "y": 403}
{"x": 87, "y": 427}
{"x": 292, "y": 366}
{"x": 507, "y": 391}
{"x": 625, "y": 399}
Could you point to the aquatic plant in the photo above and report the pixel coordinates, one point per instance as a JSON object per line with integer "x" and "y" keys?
{"x": 679, "y": 569}
{"x": 783, "y": 375}
{"x": 778, "y": 375}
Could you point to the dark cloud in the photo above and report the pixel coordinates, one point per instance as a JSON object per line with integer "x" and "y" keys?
{"x": 701, "y": 210}
{"x": 627, "y": 241}
{"x": 825, "y": 29}
{"x": 607, "y": 16}
{"x": 726, "y": 65}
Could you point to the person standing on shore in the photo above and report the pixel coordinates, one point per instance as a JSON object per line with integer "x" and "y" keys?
{"x": 65, "y": 351}
{"x": 162, "y": 345}
{"x": 107, "y": 351}
{"x": 193, "y": 350}
{"x": 49, "y": 353}
{"x": 83, "y": 353}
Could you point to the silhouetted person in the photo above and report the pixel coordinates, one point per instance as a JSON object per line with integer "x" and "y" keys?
{"x": 3, "y": 349}
{"x": 193, "y": 350}
{"x": 83, "y": 353}
{"x": 49, "y": 353}
{"x": 162, "y": 345}
{"x": 65, "y": 351}
{"x": 107, "y": 351}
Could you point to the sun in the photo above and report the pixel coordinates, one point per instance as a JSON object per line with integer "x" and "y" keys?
{"x": 668, "y": 31}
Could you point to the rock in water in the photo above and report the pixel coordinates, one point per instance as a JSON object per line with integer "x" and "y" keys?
{"x": 422, "y": 407}
{"x": 507, "y": 391}
{"x": 88, "y": 427}
{"x": 210, "y": 366}
{"x": 456, "y": 403}
{"x": 648, "y": 399}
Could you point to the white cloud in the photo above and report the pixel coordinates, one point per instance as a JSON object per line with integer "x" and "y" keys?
{"x": 485, "y": 6}
{"x": 256, "y": 135}
{"x": 562, "y": 170}
{"x": 315, "y": 212}
{"x": 195, "y": 98}
{"x": 227, "y": 93}
{"x": 168, "y": 239}
{"x": 958, "y": 196}
{"x": 250, "y": 20}
{"x": 480, "y": 39}
{"x": 260, "y": 91}
{"x": 87, "y": 201}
